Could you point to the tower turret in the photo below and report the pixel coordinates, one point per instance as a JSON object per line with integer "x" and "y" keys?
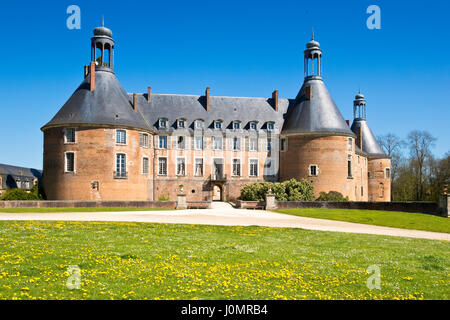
{"x": 359, "y": 107}
{"x": 102, "y": 49}
{"x": 313, "y": 60}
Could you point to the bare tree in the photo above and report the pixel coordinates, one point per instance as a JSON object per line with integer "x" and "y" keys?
{"x": 392, "y": 146}
{"x": 419, "y": 144}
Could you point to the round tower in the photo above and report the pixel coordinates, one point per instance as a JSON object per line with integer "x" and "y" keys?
{"x": 98, "y": 145}
{"x": 379, "y": 164}
{"x": 320, "y": 144}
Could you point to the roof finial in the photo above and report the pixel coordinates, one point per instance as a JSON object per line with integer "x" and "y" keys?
{"x": 312, "y": 38}
{"x": 103, "y": 20}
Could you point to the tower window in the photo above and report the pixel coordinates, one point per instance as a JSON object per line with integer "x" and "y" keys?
{"x": 145, "y": 163}
{"x": 120, "y": 166}
{"x": 121, "y": 137}
{"x": 69, "y": 162}
{"x": 362, "y": 191}
{"x": 349, "y": 166}
{"x": 162, "y": 166}
{"x": 350, "y": 144}
{"x": 381, "y": 190}
{"x": 69, "y": 135}
{"x": 313, "y": 170}
{"x": 387, "y": 173}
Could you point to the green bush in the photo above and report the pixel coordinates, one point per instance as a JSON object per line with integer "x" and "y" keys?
{"x": 331, "y": 196}
{"x": 20, "y": 194}
{"x": 164, "y": 198}
{"x": 291, "y": 190}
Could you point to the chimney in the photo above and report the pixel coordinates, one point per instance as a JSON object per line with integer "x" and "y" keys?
{"x": 135, "y": 101}
{"x": 92, "y": 79}
{"x": 275, "y": 99}
{"x": 207, "y": 98}
{"x": 149, "y": 94}
{"x": 348, "y": 123}
{"x": 86, "y": 71}
{"x": 360, "y": 137}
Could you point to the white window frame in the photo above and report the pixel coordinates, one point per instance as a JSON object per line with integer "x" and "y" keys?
{"x": 115, "y": 162}
{"x": 253, "y": 123}
{"x": 217, "y": 122}
{"x": 195, "y": 167}
{"x": 185, "y": 168}
{"x": 183, "y": 122}
{"x": 125, "y": 136}
{"x": 159, "y": 142}
{"x": 159, "y": 167}
{"x": 250, "y": 144}
{"x": 65, "y": 162}
{"x": 238, "y": 125}
{"x": 232, "y": 167}
{"x": 74, "y": 136}
{"x": 160, "y": 121}
{"x": 199, "y": 124}
{"x": 250, "y": 167}
{"x": 148, "y": 165}
{"x": 310, "y": 171}
{"x": 200, "y": 138}
{"x": 213, "y": 145}
{"x": 142, "y": 135}
{"x": 271, "y": 123}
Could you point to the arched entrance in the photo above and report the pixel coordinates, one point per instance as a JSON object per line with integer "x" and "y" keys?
{"x": 217, "y": 193}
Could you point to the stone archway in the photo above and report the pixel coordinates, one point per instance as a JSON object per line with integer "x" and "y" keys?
{"x": 217, "y": 193}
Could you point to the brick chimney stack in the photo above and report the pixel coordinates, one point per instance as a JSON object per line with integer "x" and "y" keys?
{"x": 207, "y": 98}
{"x": 275, "y": 99}
{"x": 92, "y": 78}
{"x": 135, "y": 102}
{"x": 149, "y": 94}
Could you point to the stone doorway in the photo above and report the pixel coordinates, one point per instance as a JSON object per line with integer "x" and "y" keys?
{"x": 217, "y": 193}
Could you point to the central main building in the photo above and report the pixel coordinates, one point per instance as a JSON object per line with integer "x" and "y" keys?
{"x": 107, "y": 144}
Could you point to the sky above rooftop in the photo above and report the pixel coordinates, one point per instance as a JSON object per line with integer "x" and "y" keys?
{"x": 238, "y": 48}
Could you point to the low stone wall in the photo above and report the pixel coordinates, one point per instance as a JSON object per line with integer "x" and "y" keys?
{"x": 421, "y": 207}
{"x": 88, "y": 204}
{"x": 199, "y": 204}
{"x": 251, "y": 204}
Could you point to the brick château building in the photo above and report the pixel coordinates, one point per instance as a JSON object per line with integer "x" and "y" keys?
{"x": 107, "y": 144}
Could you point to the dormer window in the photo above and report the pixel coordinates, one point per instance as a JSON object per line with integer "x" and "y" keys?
{"x": 218, "y": 124}
{"x": 163, "y": 123}
{"x": 270, "y": 126}
{"x": 236, "y": 125}
{"x": 181, "y": 124}
{"x": 253, "y": 125}
{"x": 198, "y": 124}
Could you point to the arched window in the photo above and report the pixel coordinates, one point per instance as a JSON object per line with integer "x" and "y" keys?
{"x": 107, "y": 56}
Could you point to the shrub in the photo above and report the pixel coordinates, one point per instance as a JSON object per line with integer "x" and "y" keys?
{"x": 19, "y": 194}
{"x": 331, "y": 196}
{"x": 291, "y": 190}
{"x": 164, "y": 198}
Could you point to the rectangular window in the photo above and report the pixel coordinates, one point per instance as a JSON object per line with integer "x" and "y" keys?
{"x": 198, "y": 143}
{"x": 180, "y": 143}
{"x": 388, "y": 173}
{"x": 313, "y": 170}
{"x": 253, "y": 168}
{"x": 217, "y": 143}
{"x": 218, "y": 125}
{"x": 163, "y": 142}
{"x": 145, "y": 165}
{"x": 349, "y": 166}
{"x": 269, "y": 144}
{"x": 70, "y": 162}
{"x": 283, "y": 144}
{"x": 362, "y": 191}
{"x": 121, "y": 165}
{"x": 253, "y": 125}
{"x": 121, "y": 136}
{"x": 236, "y": 143}
{"x": 236, "y": 167}
{"x": 198, "y": 170}
{"x": 144, "y": 140}
{"x": 253, "y": 144}
{"x": 350, "y": 144}
{"x": 162, "y": 166}
{"x": 69, "y": 135}
{"x": 236, "y": 125}
{"x": 181, "y": 124}
{"x": 181, "y": 166}
{"x": 162, "y": 123}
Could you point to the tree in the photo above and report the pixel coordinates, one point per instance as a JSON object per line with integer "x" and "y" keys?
{"x": 392, "y": 146}
{"x": 419, "y": 144}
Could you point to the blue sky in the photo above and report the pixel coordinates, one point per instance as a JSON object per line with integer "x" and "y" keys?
{"x": 239, "y": 48}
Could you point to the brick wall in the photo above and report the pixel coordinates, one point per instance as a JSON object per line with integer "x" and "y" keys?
{"x": 88, "y": 204}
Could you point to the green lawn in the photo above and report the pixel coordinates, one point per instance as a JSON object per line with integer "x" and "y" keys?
{"x": 53, "y": 210}
{"x": 169, "y": 261}
{"x": 404, "y": 220}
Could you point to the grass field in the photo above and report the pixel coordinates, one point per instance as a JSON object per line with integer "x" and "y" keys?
{"x": 50, "y": 210}
{"x": 404, "y": 220}
{"x": 169, "y": 261}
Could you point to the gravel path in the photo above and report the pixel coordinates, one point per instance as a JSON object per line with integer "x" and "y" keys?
{"x": 225, "y": 214}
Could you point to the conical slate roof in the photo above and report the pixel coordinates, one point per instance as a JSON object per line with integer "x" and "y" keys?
{"x": 318, "y": 114}
{"x": 108, "y": 104}
{"x": 369, "y": 143}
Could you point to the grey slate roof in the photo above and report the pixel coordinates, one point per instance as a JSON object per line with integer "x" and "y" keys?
{"x": 108, "y": 104}
{"x": 318, "y": 115}
{"x": 369, "y": 143}
{"x": 11, "y": 173}
{"x": 227, "y": 109}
